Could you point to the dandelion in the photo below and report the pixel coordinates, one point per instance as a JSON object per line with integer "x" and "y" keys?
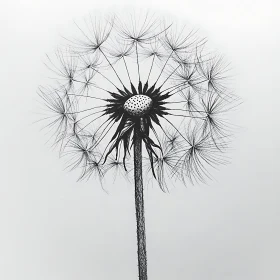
{"x": 139, "y": 93}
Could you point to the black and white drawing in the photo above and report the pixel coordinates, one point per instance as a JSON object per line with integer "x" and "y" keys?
{"x": 141, "y": 97}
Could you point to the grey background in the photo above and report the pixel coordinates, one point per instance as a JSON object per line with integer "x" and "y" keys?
{"x": 54, "y": 228}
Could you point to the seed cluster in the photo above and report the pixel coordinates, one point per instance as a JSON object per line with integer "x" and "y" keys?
{"x": 138, "y": 105}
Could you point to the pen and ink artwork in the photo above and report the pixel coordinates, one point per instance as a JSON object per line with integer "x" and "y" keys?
{"x": 142, "y": 96}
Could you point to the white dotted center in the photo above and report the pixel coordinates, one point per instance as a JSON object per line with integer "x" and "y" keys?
{"x": 138, "y": 105}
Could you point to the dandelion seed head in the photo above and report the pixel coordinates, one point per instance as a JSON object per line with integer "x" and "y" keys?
{"x": 136, "y": 76}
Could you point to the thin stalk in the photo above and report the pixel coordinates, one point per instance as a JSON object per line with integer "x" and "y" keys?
{"x": 111, "y": 66}
{"x": 151, "y": 68}
{"x": 126, "y": 69}
{"x": 139, "y": 206}
{"x": 138, "y": 66}
{"x": 164, "y": 66}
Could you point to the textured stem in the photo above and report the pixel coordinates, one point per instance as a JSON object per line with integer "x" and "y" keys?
{"x": 139, "y": 206}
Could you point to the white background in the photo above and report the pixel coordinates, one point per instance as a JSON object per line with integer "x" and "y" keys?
{"x": 52, "y": 228}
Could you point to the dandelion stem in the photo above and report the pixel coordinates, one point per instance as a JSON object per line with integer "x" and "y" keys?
{"x": 185, "y": 110}
{"x": 185, "y": 116}
{"x": 137, "y": 56}
{"x": 176, "y": 129}
{"x": 105, "y": 77}
{"x": 139, "y": 206}
{"x": 89, "y": 83}
{"x": 151, "y": 68}
{"x": 111, "y": 66}
{"x": 170, "y": 75}
{"x": 164, "y": 66}
{"x": 102, "y": 136}
{"x": 86, "y": 96}
{"x": 85, "y": 110}
{"x": 126, "y": 69}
